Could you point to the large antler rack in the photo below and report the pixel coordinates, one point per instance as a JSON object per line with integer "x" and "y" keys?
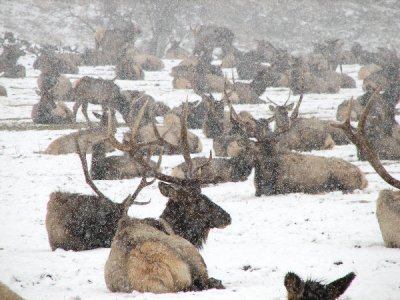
{"x": 133, "y": 147}
{"x": 129, "y": 200}
{"x": 358, "y": 137}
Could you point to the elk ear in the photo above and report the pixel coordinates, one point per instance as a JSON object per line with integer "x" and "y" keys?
{"x": 290, "y": 106}
{"x": 294, "y": 285}
{"x": 271, "y": 108}
{"x": 339, "y": 286}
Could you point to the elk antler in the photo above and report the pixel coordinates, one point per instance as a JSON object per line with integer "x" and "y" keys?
{"x": 295, "y": 112}
{"x": 358, "y": 137}
{"x": 89, "y": 181}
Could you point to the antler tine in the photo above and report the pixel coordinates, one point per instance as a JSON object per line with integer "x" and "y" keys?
{"x": 367, "y": 108}
{"x": 287, "y": 98}
{"x": 295, "y": 112}
{"x": 233, "y": 77}
{"x": 204, "y": 165}
{"x": 133, "y": 146}
{"x": 130, "y": 200}
{"x": 185, "y": 140}
{"x": 88, "y": 179}
{"x": 273, "y": 102}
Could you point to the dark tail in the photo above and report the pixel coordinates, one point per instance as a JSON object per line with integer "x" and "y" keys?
{"x": 339, "y": 286}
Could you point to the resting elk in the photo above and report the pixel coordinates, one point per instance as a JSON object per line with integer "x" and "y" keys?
{"x": 305, "y": 134}
{"x": 298, "y": 289}
{"x": 279, "y": 171}
{"x": 8, "y": 62}
{"x": 388, "y": 203}
{"x": 82, "y": 222}
{"x": 161, "y": 256}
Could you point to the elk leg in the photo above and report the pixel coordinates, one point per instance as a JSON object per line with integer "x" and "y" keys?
{"x": 75, "y": 110}
{"x": 84, "y": 111}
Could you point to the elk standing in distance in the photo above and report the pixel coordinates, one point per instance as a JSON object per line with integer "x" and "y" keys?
{"x": 209, "y": 37}
{"x": 332, "y": 50}
{"x": 99, "y": 91}
{"x": 3, "y": 91}
{"x": 279, "y": 171}
{"x": 388, "y": 203}
{"x": 163, "y": 257}
{"x": 298, "y": 289}
{"x": 305, "y": 134}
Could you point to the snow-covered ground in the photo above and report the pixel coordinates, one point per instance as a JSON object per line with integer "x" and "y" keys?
{"x": 320, "y": 236}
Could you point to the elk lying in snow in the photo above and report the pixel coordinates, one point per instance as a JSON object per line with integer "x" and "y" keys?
{"x": 175, "y": 51}
{"x": 8, "y": 62}
{"x": 60, "y": 85}
{"x": 46, "y": 111}
{"x": 312, "y": 290}
{"x": 161, "y": 256}
{"x": 343, "y": 108}
{"x": 278, "y": 171}
{"x": 82, "y": 222}
{"x": 388, "y": 203}
{"x": 249, "y": 93}
{"x": 87, "y": 138}
{"x": 170, "y": 132}
{"x": 116, "y": 166}
{"x": 305, "y": 134}
{"x": 58, "y": 62}
{"x": 98, "y": 91}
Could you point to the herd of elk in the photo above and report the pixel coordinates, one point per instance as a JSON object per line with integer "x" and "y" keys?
{"x": 162, "y": 255}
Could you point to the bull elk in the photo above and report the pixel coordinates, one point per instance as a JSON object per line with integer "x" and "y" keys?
{"x": 305, "y": 134}
{"x": 162, "y": 256}
{"x": 298, "y": 289}
{"x": 278, "y": 171}
{"x": 388, "y": 203}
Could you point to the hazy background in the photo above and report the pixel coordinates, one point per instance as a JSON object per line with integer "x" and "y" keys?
{"x": 294, "y": 24}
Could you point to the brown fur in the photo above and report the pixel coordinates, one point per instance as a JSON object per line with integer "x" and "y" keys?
{"x": 56, "y": 62}
{"x": 208, "y": 37}
{"x": 221, "y": 169}
{"x": 61, "y": 86}
{"x": 46, "y": 111}
{"x": 148, "y": 62}
{"x": 128, "y": 70}
{"x": 388, "y": 214}
{"x": 7, "y": 294}
{"x": 343, "y": 109}
{"x": 8, "y": 62}
{"x": 172, "y": 125}
{"x": 81, "y": 222}
{"x": 367, "y": 70}
{"x": 176, "y": 52}
{"x": 87, "y": 138}
{"x": 98, "y": 91}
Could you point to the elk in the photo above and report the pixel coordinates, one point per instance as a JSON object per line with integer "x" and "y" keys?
{"x": 8, "y": 62}
{"x": 299, "y": 289}
{"x": 388, "y": 203}
{"x": 46, "y": 111}
{"x": 249, "y": 93}
{"x": 60, "y": 85}
{"x": 209, "y": 37}
{"x": 57, "y": 62}
{"x": 175, "y": 51}
{"x": 305, "y": 134}
{"x": 170, "y": 131}
{"x": 117, "y": 167}
{"x": 82, "y": 222}
{"x": 87, "y": 138}
{"x": 98, "y": 91}
{"x": 278, "y": 171}
{"x": 356, "y": 109}
{"x": 163, "y": 257}
{"x": 332, "y": 51}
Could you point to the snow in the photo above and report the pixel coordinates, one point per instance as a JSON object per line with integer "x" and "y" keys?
{"x": 321, "y": 236}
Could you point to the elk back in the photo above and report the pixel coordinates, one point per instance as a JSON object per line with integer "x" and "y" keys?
{"x": 146, "y": 259}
